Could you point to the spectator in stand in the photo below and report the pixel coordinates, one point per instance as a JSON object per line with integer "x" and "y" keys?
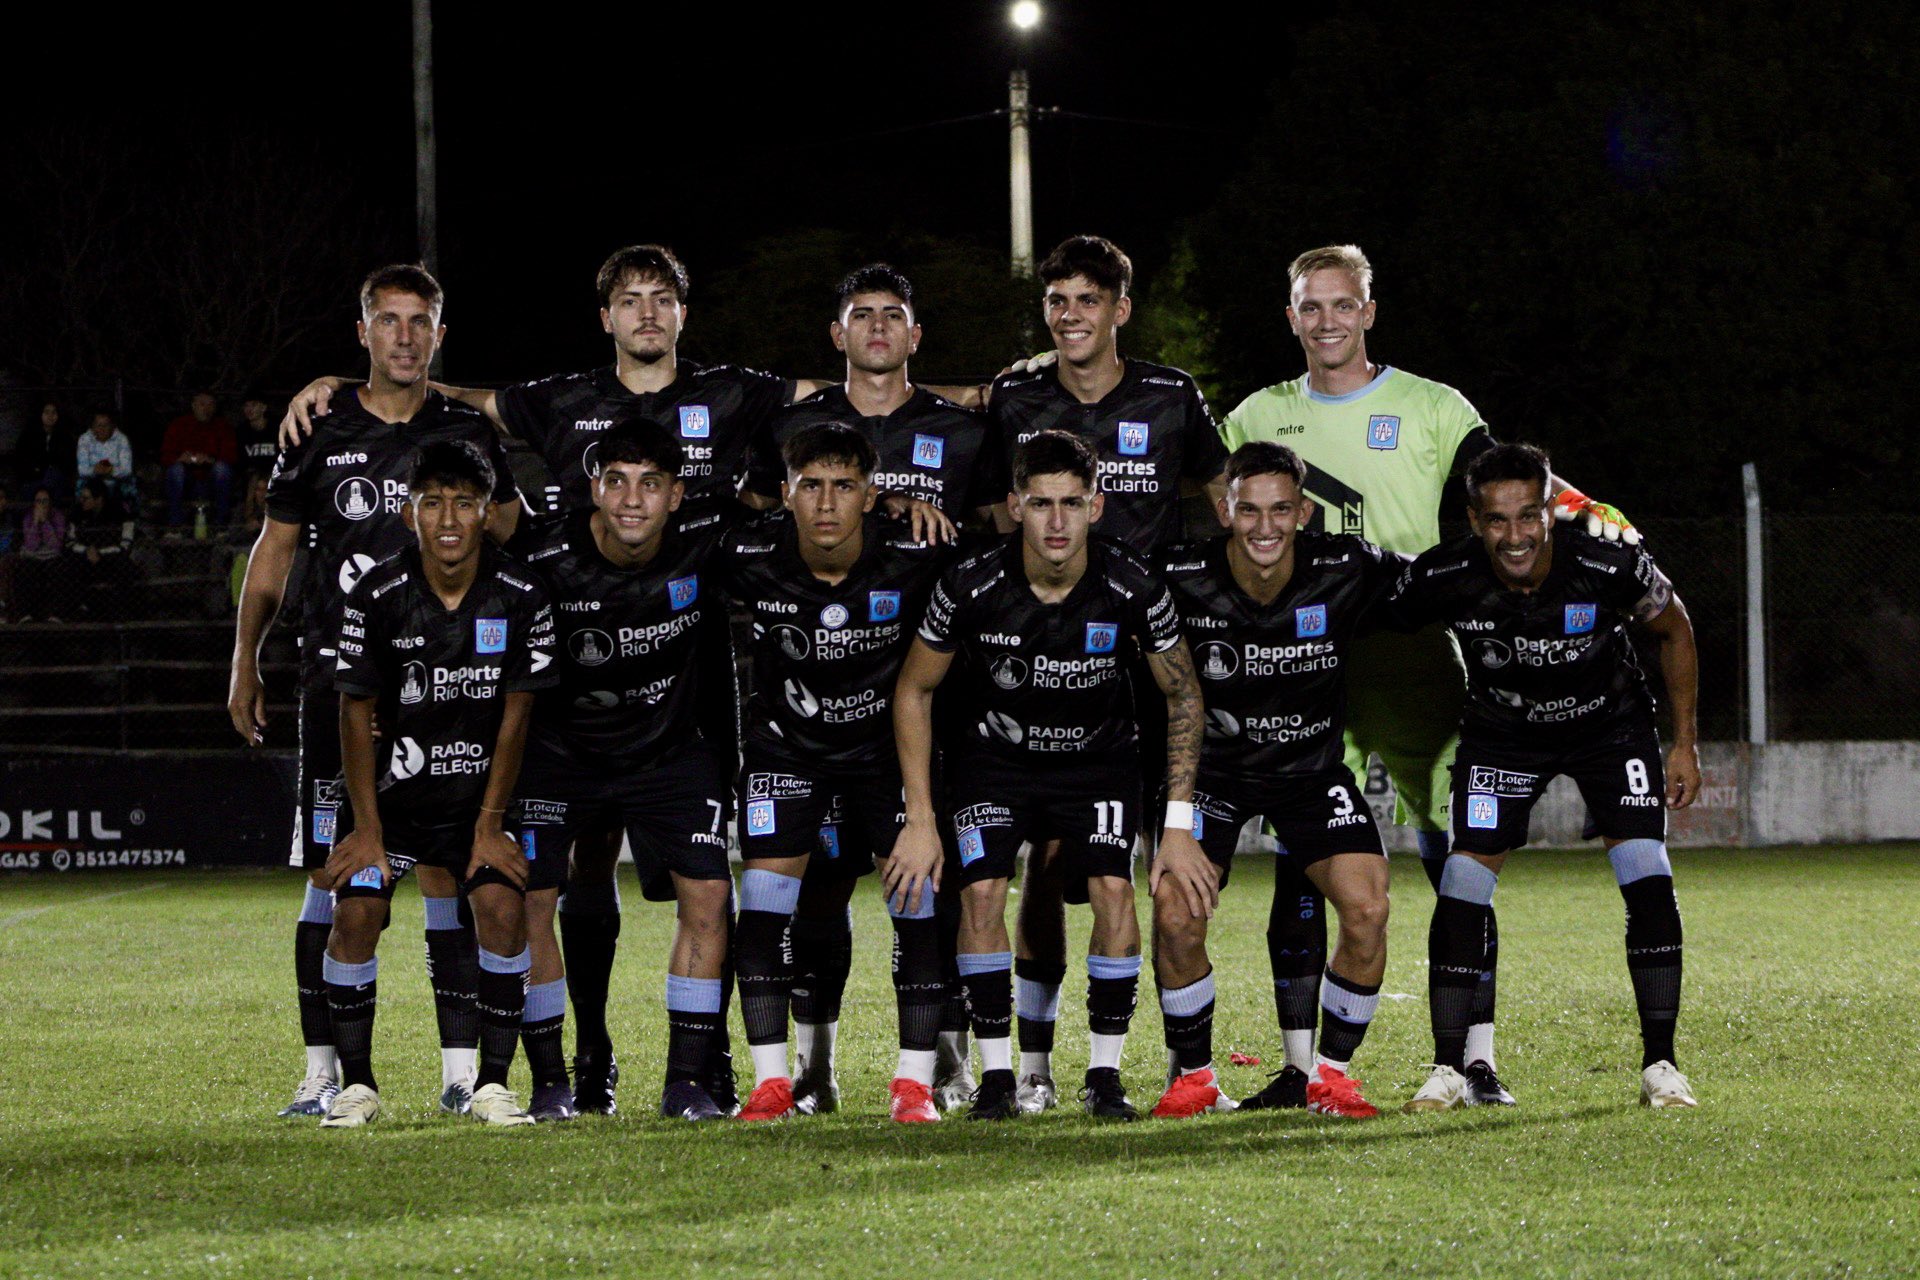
{"x": 44, "y": 453}
{"x": 198, "y": 453}
{"x": 256, "y": 437}
{"x": 43, "y": 536}
{"x": 97, "y": 542}
{"x": 105, "y": 454}
{"x": 246, "y": 530}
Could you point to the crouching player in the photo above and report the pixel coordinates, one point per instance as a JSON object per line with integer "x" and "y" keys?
{"x": 833, "y": 590}
{"x": 1270, "y": 610}
{"x": 446, "y": 642}
{"x": 1042, "y": 623}
{"x": 1553, "y": 687}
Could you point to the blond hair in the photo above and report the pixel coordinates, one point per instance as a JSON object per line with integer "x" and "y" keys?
{"x": 1336, "y": 257}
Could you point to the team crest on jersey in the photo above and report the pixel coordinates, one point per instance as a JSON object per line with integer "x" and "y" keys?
{"x": 696, "y": 423}
{"x": 325, "y": 819}
{"x": 883, "y": 606}
{"x": 972, "y": 847}
{"x": 591, "y": 647}
{"x": 413, "y": 686}
{"x": 1483, "y": 812}
{"x": 834, "y": 615}
{"x": 928, "y": 451}
{"x": 1309, "y": 621}
{"x": 759, "y": 817}
{"x": 356, "y": 498}
{"x": 1580, "y": 618}
{"x": 682, "y": 592}
{"x": 1217, "y": 660}
{"x": 1101, "y": 637}
{"x": 489, "y": 635}
{"x": 1133, "y": 439}
{"x": 1383, "y": 431}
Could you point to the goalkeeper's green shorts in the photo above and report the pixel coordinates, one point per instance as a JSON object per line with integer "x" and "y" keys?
{"x": 1404, "y": 697}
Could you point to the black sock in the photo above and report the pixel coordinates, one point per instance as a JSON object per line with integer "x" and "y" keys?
{"x": 1456, "y": 957}
{"x": 990, "y": 1000}
{"x": 541, "y": 1025}
{"x": 720, "y": 1038}
{"x": 946, "y": 914}
{"x": 453, "y": 970}
{"x": 1186, "y": 1013}
{"x": 309, "y": 961}
{"x": 1483, "y": 993}
{"x": 693, "y": 1016}
{"x": 822, "y": 959}
{"x": 763, "y": 957}
{"x": 1296, "y": 947}
{"x": 1113, "y": 987}
{"x": 919, "y": 983}
{"x": 588, "y": 941}
{"x": 1036, "y": 1034}
{"x": 1654, "y": 962}
{"x": 352, "y": 993}
{"x": 501, "y": 1002}
{"x": 1346, "y": 1007}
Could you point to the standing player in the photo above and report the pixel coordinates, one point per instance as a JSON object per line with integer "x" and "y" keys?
{"x": 618, "y": 745}
{"x": 832, "y": 589}
{"x": 1154, "y": 436}
{"x": 1553, "y": 687}
{"x": 1379, "y": 444}
{"x": 1273, "y": 610}
{"x": 342, "y": 492}
{"x": 1042, "y": 623}
{"x": 446, "y": 643}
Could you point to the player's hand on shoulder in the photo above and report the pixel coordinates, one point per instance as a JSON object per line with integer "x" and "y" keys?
{"x": 913, "y": 869}
{"x": 315, "y": 400}
{"x": 927, "y": 522}
{"x": 1185, "y": 865}
{"x": 500, "y": 851}
{"x": 1032, "y": 364}
{"x": 1601, "y": 520}
{"x": 1683, "y": 775}
{"x": 354, "y": 853}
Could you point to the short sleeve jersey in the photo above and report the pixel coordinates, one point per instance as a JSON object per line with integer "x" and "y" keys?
{"x": 930, "y": 448}
{"x": 825, "y": 656}
{"x": 628, "y": 640}
{"x": 1549, "y": 666}
{"x": 1152, "y": 431}
{"x": 347, "y": 482}
{"x": 438, "y": 676}
{"x": 1273, "y": 676}
{"x": 1039, "y": 681}
{"x": 714, "y": 410}
{"x": 1377, "y": 458}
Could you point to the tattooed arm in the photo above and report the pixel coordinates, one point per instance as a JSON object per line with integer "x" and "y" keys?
{"x": 1180, "y": 855}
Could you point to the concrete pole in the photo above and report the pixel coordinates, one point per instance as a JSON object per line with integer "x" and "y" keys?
{"x": 1020, "y": 175}
{"x": 1756, "y": 610}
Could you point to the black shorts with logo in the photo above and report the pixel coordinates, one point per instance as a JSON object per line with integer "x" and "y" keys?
{"x": 320, "y": 794}
{"x": 674, "y": 812}
{"x": 1314, "y": 815}
{"x": 844, "y": 818}
{"x": 1091, "y": 807}
{"x": 1495, "y": 786}
{"x": 448, "y": 847}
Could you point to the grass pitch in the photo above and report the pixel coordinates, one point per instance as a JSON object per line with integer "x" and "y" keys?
{"x": 147, "y": 1035}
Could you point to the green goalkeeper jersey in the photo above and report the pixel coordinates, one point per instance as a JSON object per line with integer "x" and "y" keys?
{"x": 1376, "y": 458}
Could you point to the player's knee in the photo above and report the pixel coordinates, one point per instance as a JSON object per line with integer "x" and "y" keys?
{"x": 1176, "y": 929}
{"x": 1364, "y": 915}
{"x": 356, "y": 928}
{"x": 982, "y": 903}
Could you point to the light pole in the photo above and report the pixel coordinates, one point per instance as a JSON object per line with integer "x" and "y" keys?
{"x": 1025, "y": 17}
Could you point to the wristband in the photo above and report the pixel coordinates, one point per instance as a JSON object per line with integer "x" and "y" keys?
{"x": 1179, "y": 816}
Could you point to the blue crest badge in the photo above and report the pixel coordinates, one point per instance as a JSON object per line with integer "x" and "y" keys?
{"x": 489, "y": 635}
{"x": 1310, "y": 621}
{"x": 1580, "y": 618}
{"x": 1383, "y": 431}
{"x": 972, "y": 847}
{"x": 324, "y": 818}
{"x": 696, "y": 423}
{"x": 1483, "y": 812}
{"x": 529, "y": 845}
{"x": 759, "y": 817}
{"x": 366, "y": 878}
{"x": 928, "y": 451}
{"x": 830, "y": 841}
{"x": 1133, "y": 439}
{"x": 1101, "y": 637}
{"x": 883, "y": 606}
{"x": 1199, "y": 824}
{"x": 682, "y": 592}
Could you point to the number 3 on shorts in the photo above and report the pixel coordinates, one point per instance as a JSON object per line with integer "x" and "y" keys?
{"x": 1341, "y": 798}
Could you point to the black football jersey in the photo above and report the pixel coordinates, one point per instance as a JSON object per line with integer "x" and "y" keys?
{"x": 1151, "y": 431}
{"x": 825, "y": 657}
{"x": 438, "y": 676}
{"x": 347, "y": 482}
{"x": 1544, "y": 666}
{"x": 1273, "y": 676}
{"x": 930, "y": 448}
{"x": 1040, "y": 680}
{"x": 713, "y": 409}
{"x": 628, "y": 640}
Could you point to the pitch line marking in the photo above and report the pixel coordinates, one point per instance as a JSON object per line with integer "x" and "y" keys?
{"x": 19, "y": 916}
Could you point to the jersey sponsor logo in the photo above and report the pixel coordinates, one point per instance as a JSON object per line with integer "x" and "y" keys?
{"x": 696, "y": 423}
{"x": 1383, "y": 431}
{"x": 592, "y": 424}
{"x": 973, "y": 847}
{"x": 1102, "y": 636}
{"x": 1500, "y": 782}
{"x": 325, "y": 791}
{"x": 1338, "y": 507}
{"x": 1008, "y": 672}
{"x": 777, "y": 786}
{"x": 1217, "y": 660}
{"x": 1483, "y": 812}
{"x": 760, "y": 818}
{"x": 413, "y": 686}
{"x": 590, "y": 647}
{"x": 541, "y": 813}
{"x": 834, "y": 616}
{"x": 325, "y": 820}
{"x": 489, "y": 635}
{"x": 345, "y": 459}
{"x": 408, "y": 759}
{"x": 928, "y": 451}
{"x": 1222, "y": 724}
{"x": 682, "y": 592}
{"x": 1580, "y": 618}
{"x": 883, "y": 606}
{"x": 802, "y": 700}
{"x": 356, "y": 498}
{"x": 1000, "y": 725}
{"x": 541, "y": 661}
{"x": 1493, "y": 654}
{"x": 1133, "y": 439}
{"x": 995, "y": 637}
{"x": 776, "y": 606}
{"x": 590, "y": 460}
{"x": 597, "y": 700}
{"x": 1310, "y": 620}
{"x": 793, "y": 642}
{"x": 352, "y": 569}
